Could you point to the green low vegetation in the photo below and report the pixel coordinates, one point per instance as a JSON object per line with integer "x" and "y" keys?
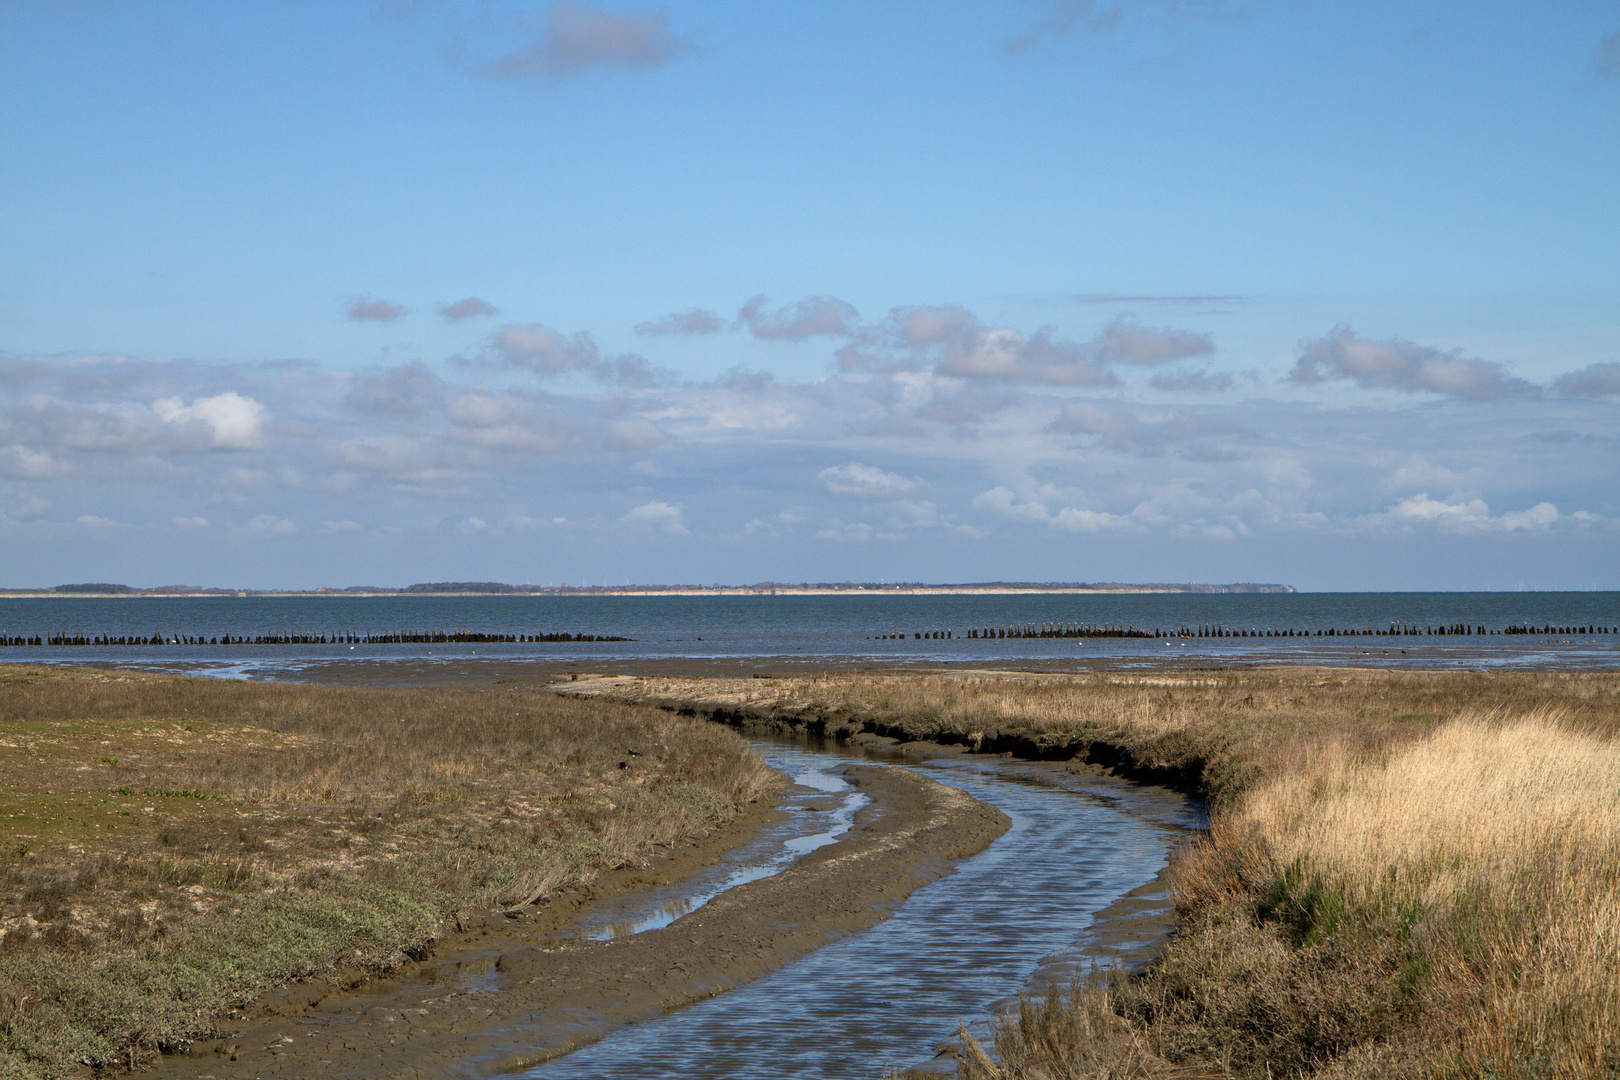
{"x": 171, "y": 847}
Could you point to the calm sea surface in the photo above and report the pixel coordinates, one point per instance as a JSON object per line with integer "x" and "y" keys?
{"x": 780, "y": 632}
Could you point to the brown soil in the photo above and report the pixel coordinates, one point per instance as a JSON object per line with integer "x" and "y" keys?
{"x": 552, "y": 994}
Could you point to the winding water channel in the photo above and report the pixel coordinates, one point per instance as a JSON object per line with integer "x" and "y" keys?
{"x": 1017, "y": 917}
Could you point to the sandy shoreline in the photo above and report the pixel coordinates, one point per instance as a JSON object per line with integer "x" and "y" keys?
{"x": 554, "y": 994}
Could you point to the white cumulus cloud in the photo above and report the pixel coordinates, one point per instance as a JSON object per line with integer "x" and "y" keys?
{"x": 658, "y": 515}
{"x": 27, "y": 464}
{"x": 1004, "y": 501}
{"x": 856, "y": 481}
{"x": 237, "y": 422}
{"x": 1474, "y": 515}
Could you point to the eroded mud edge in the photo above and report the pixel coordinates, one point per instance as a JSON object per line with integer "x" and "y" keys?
{"x": 1128, "y": 936}
{"x": 547, "y": 999}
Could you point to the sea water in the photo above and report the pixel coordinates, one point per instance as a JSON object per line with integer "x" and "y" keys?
{"x": 783, "y": 631}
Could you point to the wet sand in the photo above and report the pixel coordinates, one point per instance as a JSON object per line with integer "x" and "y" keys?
{"x": 508, "y": 993}
{"x": 1443, "y": 653}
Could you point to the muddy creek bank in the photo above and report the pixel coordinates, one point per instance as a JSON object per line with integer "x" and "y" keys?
{"x": 786, "y": 975}
{"x": 1074, "y": 881}
{"x": 542, "y": 997}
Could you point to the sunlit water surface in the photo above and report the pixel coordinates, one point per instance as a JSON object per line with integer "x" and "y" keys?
{"x": 1012, "y": 918}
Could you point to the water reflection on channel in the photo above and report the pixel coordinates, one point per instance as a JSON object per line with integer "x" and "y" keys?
{"x": 1014, "y": 916}
{"x": 818, "y": 806}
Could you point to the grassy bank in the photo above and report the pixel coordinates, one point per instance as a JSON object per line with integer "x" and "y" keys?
{"x": 1408, "y": 874}
{"x": 171, "y": 847}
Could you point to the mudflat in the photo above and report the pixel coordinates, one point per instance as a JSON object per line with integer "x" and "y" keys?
{"x": 541, "y": 995}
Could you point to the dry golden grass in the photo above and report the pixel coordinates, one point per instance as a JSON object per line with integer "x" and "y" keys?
{"x": 1072, "y": 1036}
{"x": 172, "y": 846}
{"x": 1482, "y": 861}
{"x": 1408, "y": 873}
{"x": 1230, "y": 727}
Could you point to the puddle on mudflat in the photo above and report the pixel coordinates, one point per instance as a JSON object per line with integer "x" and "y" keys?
{"x": 1014, "y": 917}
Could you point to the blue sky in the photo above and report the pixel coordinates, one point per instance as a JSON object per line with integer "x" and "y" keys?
{"x": 299, "y": 294}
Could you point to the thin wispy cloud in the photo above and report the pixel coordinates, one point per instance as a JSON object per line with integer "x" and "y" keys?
{"x": 814, "y": 316}
{"x": 1063, "y": 18}
{"x": 1123, "y": 430}
{"x": 470, "y": 307}
{"x": 370, "y": 309}
{"x": 1192, "y": 381}
{"x": 403, "y": 392}
{"x": 741, "y": 378}
{"x": 952, "y": 341}
{"x": 514, "y": 422}
{"x": 693, "y": 321}
{"x": 1006, "y": 355}
{"x": 546, "y": 352}
{"x": 271, "y": 525}
{"x": 1605, "y": 62}
{"x": 575, "y": 38}
{"x": 1180, "y": 301}
{"x": 964, "y": 409}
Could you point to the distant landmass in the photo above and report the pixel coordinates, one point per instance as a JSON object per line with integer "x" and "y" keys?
{"x": 763, "y": 588}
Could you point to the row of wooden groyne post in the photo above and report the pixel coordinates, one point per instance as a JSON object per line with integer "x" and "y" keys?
{"x": 1021, "y": 630}
{"x": 430, "y": 637}
{"x": 1088, "y": 630}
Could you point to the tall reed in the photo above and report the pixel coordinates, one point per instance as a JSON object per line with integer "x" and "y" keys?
{"x": 1489, "y": 852}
